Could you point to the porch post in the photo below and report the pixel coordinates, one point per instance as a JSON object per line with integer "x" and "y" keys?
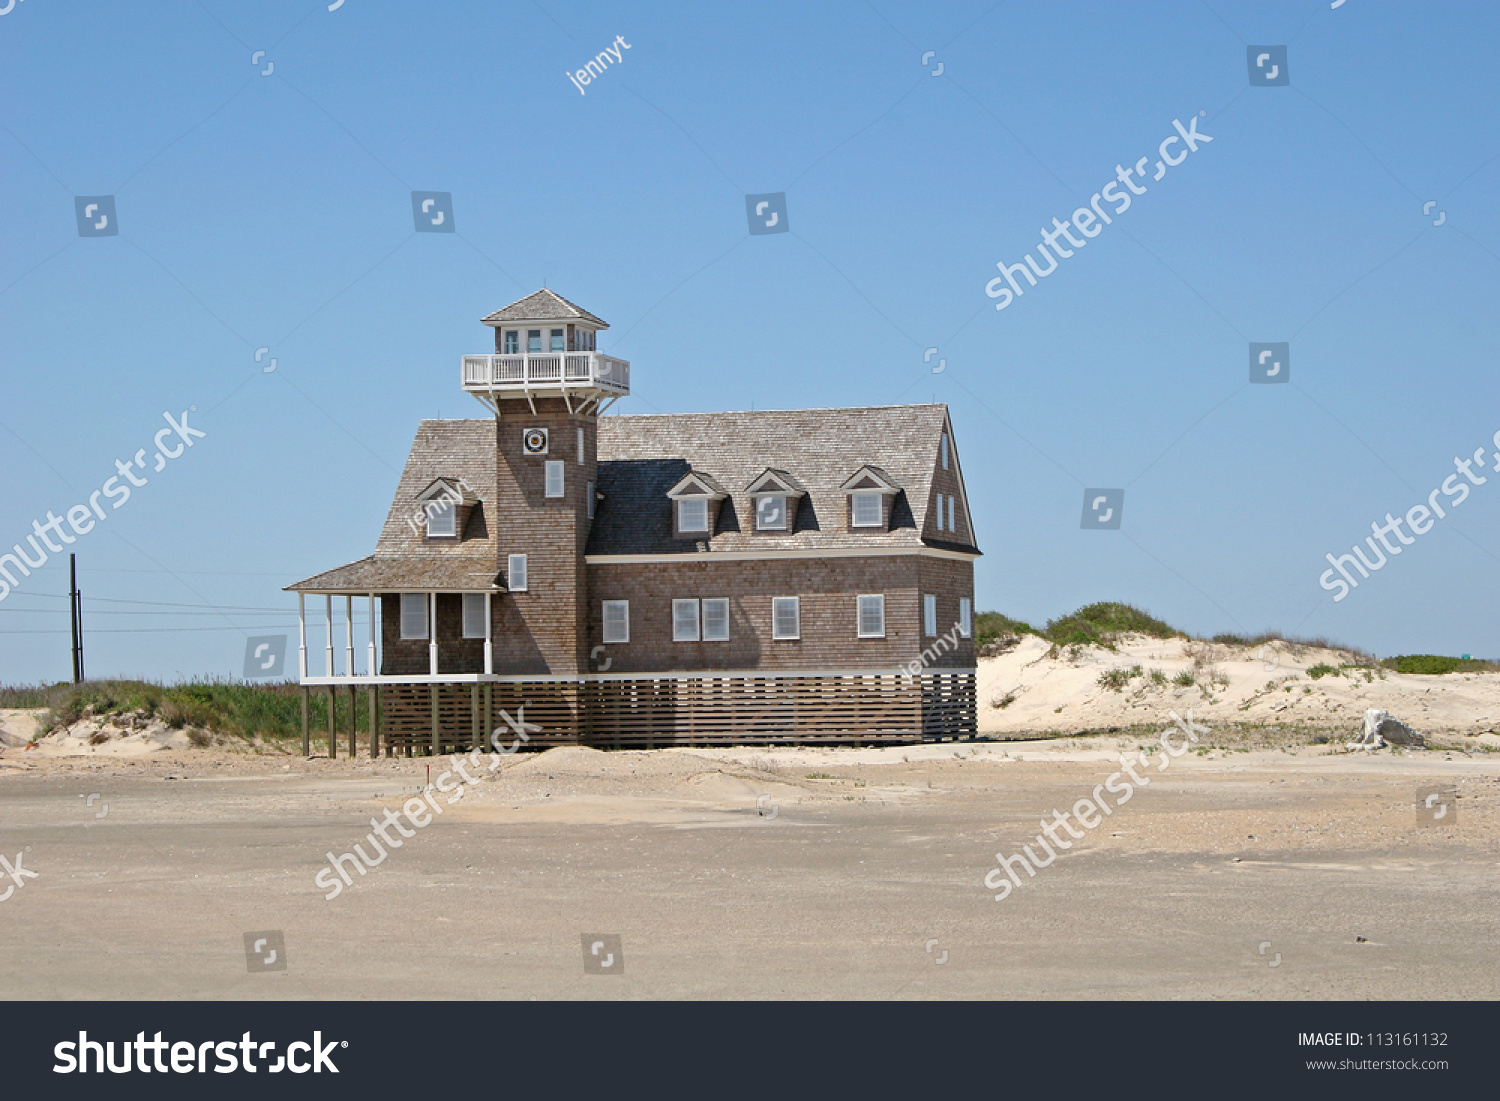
{"x": 333, "y": 734}
{"x": 489, "y": 649}
{"x": 432, "y": 660}
{"x": 374, "y": 663}
{"x": 302, "y": 636}
{"x": 306, "y": 736}
{"x": 328, "y": 619}
{"x": 372, "y": 691}
{"x": 353, "y": 716}
{"x": 349, "y": 636}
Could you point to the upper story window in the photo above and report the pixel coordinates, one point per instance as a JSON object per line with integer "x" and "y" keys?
{"x": 580, "y": 447}
{"x": 943, "y": 447}
{"x": 770, "y": 513}
{"x": 692, "y": 514}
{"x": 413, "y": 615}
{"x": 475, "y": 620}
{"x": 965, "y": 617}
{"x": 684, "y": 621}
{"x": 786, "y": 617}
{"x": 868, "y": 508}
{"x": 515, "y": 573}
{"x": 871, "y": 617}
{"x": 616, "y": 620}
{"x": 929, "y": 615}
{"x": 716, "y": 619}
{"x": 555, "y": 468}
{"x": 442, "y": 519}
{"x": 556, "y": 344}
{"x": 533, "y": 340}
{"x": 590, "y": 499}
{"x": 512, "y": 341}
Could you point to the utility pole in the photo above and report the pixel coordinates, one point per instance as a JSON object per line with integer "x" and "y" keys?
{"x": 75, "y": 608}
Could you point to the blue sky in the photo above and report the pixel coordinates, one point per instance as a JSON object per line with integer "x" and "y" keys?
{"x": 274, "y": 211}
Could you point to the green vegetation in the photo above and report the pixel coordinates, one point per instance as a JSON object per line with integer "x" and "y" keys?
{"x": 1322, "y": 669}
{"x": 229, "y": 707}
{"x": 818, "y": 776}
{"x": 1184, "y": 679}
{"x": 990, "y": 626}
{"x": 1434, "y": 663}
{"x": 1101, "y": 624}
{"x": 1158, "y": 677}
{"x": 1117, "y": 679}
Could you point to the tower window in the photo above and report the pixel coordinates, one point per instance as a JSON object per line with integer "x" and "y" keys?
{"x": 580, "y": 447}
{"x": 929, "y": 615}
{"x": 515, "y": 573}
{"x": 557, "y": 340}
{"x": 944, "y": 449}
{"x": 512, "y": 341}
{"x": 965, "y": 617}
{"x": 555, "y": 469}
{"x": 590, "y": 500}
{"x": 533, "y": 340}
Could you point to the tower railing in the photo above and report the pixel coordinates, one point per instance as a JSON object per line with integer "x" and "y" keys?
{"x": 528, "y": 370}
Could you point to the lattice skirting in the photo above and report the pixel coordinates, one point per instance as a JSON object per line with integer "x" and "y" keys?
{"x": 651, "y": 712}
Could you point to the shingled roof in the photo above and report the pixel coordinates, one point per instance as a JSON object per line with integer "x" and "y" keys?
{"x": 544, "y": 305}
{"x": 642, "y": 457}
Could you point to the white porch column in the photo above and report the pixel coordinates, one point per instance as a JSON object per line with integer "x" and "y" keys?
{"x": 302, "y": 634}
{"x": 489, "y": 649}
{"x": 349, "y": 636}
{"x": 328, "y": 620}
{"x": 374, "y": 664}
{"x": 432, "y": 664}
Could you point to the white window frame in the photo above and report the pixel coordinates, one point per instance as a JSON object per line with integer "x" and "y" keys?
{"x": 704, "y": 617}
{"x": 965, "y": 617}
{"x": 680, "y": 630}
{"x": 952, "y": 514}
{"x": 785, "y": 511}
{"x": 512, "y": 347}
{"x": 866, "y": 495}
{"x": 940, "y": 512}
{"x": 447, "y": 508}
{"x": 929, "y": 615}
{"x": 945, "y": 450}
{"x": 474, "y": 624}
{"x": 580, "y": 447}
{"x": 859, "y": 615}
{"x": 556, "y": 484}
{"x": 557, "y": 341}
{"x": 593, "y": 493}
{"x": 796, "y": 606}
{"x": 517, "y": 571}
{"x": 412, "y": 605}
{"x": 622, "y": 622}
{"x": 682, "y": 503}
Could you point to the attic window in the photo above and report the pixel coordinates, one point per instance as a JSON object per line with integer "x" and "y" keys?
{"x": 692, "y": 514}
{"x": 442, "y": 519}
{"x": 770, "y": 512}
{"x": 867, "y": 508}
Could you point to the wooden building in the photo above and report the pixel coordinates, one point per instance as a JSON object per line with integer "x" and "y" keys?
{"x": 778, "y": 576}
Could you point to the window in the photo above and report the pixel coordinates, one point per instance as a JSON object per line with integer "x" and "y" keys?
{"x": 770, "y": 513}
{"x": 716, "y": 619}
{"x": 557, "y": 340}
{"x": 786, "y": 617}
{"x": 684, "y": 621}
{"x": 442, "y": 518}
{"x": 952, "y": 516}
{"x": 692, "y": 514}
{"x": 871, "y": 616}
{"x": 413, "y": 615}
{"x": 555, "y": 477}
{"x": 929, "y": 616}
{"x": 944, "y": 449}
{"x": 474, "y": 618}
{"x": 965, "y": 617}
{"x": 533, "y": 340}
{"x": 868, "y": 508}
{"x": 515, "y": 573}
{"x": 580, "y": 447}
{"x": 617, "y": 621}
{"x": 512, "y": 341}
{"x": 590, "y": 502}
{"x": 940, "y": 512}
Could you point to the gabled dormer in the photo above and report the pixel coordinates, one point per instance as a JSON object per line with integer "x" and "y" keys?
{"x": 775, "y": 495}
{"x": 443, "y": 510}
{"x": 695, "y": 506}
{"x": 870, "y": 495}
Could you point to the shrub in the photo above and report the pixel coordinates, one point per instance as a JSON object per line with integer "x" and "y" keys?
{"x": 1184, "y": 678}
{"x": 989, "y": 626}
{"x": 1322, "y": 669}
{"x": 1116, "y": 679}
{"x": 1434, "y": 663}
{"x": 1101, "y": 624}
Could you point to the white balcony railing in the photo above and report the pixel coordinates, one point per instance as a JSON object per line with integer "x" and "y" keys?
{"x": 546, "y": 370}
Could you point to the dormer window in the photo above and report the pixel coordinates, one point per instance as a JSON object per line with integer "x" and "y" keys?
{"x": 512, "y": 342}
{"x": 442, "y": 520}
{"x": 867, "y": 508}
{"x": 872, "y": 496}
{"x": 695, "y": 506}
{"x": 776, "y": 495}
{"x": 692, "y": 515}
{"x": 770, "y": 513}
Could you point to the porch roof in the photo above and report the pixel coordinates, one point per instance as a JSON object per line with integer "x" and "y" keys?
{"x": 382, "y": 574}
